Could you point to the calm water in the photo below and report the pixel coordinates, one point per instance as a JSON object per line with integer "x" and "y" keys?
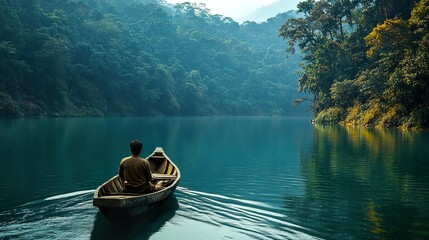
{"x": 243, "y": 178}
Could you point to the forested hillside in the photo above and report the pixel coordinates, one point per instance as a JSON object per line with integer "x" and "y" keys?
{"x": 366, "y": 62}
{"x": 129, "y": 57}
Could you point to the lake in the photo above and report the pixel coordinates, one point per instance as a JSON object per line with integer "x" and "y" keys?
{"x": 242, "y": 178}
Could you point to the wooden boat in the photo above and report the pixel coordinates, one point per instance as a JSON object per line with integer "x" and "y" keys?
{"x": 115, "y": 204}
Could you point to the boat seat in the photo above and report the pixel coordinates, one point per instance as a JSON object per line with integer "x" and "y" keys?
{"x": 122, "y": 194}
{"x": 158, "y": 176}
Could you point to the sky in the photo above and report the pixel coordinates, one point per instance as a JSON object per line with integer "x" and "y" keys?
{"x": 236, "y": 9}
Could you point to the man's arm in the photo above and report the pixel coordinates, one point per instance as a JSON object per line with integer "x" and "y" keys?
{"x": 121, "y": 172}
{"x": 148, "y": 173}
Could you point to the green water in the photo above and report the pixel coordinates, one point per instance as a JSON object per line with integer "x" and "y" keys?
{"x": 242, "y": 178}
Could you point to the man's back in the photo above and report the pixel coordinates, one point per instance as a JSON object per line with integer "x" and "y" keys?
{"x": 135, "y": 172}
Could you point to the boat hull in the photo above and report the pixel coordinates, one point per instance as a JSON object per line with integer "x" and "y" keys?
{"x": 115, "y": 204}
{"x": 128, "y": 210}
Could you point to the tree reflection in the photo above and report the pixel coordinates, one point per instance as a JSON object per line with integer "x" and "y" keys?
{"x": 364, "y": 183}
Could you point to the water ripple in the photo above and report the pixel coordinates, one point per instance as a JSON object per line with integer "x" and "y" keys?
{"x": 67, "y": 195}
{"x": 200, "y": 214}
{"x": 53, "y": 217}
{"x": 254, "y": 219}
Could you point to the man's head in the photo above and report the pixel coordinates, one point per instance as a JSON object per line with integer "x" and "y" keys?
{"x": 136, "y": 147}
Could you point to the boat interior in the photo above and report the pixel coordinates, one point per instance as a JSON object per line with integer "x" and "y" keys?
{"x": 162, "y": 170}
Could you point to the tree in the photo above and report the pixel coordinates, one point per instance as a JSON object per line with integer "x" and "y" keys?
{"x": 127, "y": 57}
{"x": 364, "y": 54}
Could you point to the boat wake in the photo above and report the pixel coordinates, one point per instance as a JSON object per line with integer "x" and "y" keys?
{"x": 193, "y": 215}
{"x": 67, "y": 195}
{"x": 59, "y": 217}
{"x": 252, "y": 219}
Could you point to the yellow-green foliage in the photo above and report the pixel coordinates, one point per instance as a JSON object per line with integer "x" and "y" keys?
{"x": 376, "y": 114}
{"x": 390, "y": 117}
{"x": 387, "y": 35}
{"x": 419, "y": 12}
{"x": 353, "y": 115}
{"x": 330, "y": 116}
{"x": 377, "y": 77}
{"x": 371, "y": 113}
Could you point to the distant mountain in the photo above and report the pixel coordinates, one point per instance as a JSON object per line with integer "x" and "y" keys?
{"x": 265, "y": 12}
{"x": 141, "y": 58}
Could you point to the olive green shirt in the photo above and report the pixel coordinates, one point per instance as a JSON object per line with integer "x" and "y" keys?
{"x": 136, "y": 175}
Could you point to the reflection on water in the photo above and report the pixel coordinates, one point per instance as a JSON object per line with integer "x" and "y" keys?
{"x": 190, "y": 215}
{"x": 365, "y": 183}
{"x": 140, "y": 227}
{"x": 242, "y": 178}
{"x": 72, "y": 216}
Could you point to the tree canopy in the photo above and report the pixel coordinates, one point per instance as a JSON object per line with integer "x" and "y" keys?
{"x": 140, "y": 57}
{"x": 365, "y": 61}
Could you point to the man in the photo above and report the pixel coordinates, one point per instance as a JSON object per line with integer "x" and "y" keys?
{"x": 135, "y": 171}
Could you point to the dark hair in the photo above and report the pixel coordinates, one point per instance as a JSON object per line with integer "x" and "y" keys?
{"x": 136, "y": 147}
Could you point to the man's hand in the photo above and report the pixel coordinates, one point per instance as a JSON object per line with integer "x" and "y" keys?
{"x": 158, "y": 186}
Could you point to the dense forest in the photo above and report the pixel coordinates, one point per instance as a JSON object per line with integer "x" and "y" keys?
{"x": 365, "y": 62}
{"x": 141, "y": 57}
